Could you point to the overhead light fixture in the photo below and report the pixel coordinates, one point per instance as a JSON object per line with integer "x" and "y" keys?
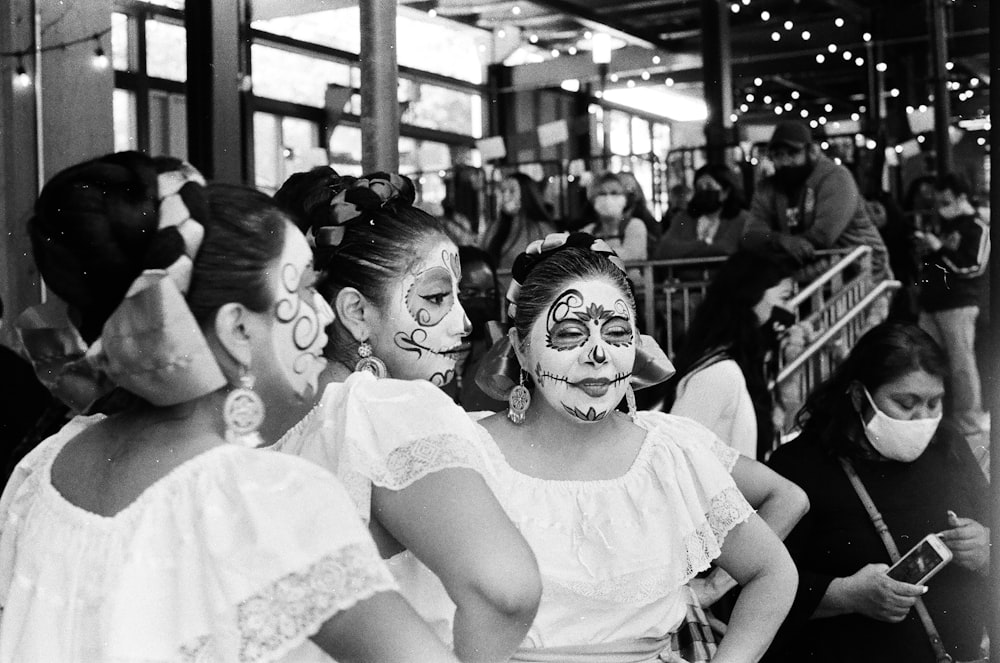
{"x": 600, "y": 46}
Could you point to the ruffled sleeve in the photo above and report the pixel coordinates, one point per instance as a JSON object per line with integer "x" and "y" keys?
{"x": 387, "y": 433}
{"x": 693, "y": 431}
{"x": 275, "y": 552}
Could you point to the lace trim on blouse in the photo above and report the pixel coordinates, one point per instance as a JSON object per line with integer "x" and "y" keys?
{"x": 416, "y": 459}
{"x": 280, "y": 617}
{"x": 726, "y": 454}
{"x": 701, "y": 547}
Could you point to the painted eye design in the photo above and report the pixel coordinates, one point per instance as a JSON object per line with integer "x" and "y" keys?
{"x": 436, "y": 299}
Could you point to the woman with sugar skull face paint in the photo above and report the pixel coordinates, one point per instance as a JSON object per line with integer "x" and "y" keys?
{"x": 154, "y": 532}
{"x": 621, "y": 511}
{"x": 382, "y": 424}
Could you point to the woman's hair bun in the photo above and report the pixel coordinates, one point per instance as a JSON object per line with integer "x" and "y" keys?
{"x": 94, "y": 230}
{"x": 307, "y": 195}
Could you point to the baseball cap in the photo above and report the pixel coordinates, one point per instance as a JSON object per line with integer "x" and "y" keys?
{"x": 791, "y": 133}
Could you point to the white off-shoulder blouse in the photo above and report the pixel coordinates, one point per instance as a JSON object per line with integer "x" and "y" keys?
{"x": 387, "y": 433}
{"x": 615, "y": 554}
{"x": 235, "y": 555}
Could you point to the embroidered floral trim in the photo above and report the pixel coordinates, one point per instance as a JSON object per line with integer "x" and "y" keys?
{"x": 280, "y": 617}
{"x": 726, "y": 454}
{"x": 415, "y": 460}
{"x": 726, "y": 510}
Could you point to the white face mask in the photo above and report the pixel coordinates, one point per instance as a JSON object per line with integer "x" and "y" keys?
{"x": 610, "y": 205}
{"x": 899, "y": 439}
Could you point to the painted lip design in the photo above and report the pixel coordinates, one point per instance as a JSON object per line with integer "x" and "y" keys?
{"x": 597, "y": 387}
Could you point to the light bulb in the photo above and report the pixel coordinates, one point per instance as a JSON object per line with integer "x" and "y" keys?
{"x": 100, "y": 59}
{"x": 820, "y": 58}
{"x": 765, "y": 15}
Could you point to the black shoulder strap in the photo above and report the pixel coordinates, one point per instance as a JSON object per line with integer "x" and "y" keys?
{"x": 940, "y": 654}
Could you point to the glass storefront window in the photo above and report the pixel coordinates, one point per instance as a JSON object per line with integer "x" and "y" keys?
{"x": 440, "y": 108}
{"x": 285, "y": 76}
{"x": 336, "y": 28}
{"x": 173, "y": 4}
{"x": 621, "y": 142}
{"x": 124, "y": 116}
{"x": 168, "y": 124}
{"x": 284, "y": 146}
{"x": 641, "y": 142}
{"x": 345, "y": 150}
{"x": 166, "y": 50}
{"x": 121, "y": 50}
{"x": 661, "y": 140}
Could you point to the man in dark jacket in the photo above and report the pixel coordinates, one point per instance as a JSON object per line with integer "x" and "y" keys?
{"x": 809, "y": 203}
{"x": 952, "y": 283}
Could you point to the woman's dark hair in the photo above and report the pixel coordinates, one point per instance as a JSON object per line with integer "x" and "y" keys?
{"x": 886, "y": 352}
{"x": 725, "y": 323}
{"x": 725, "y": 177}
{"x": 372, "y": 254}
{"x": 95, "y": 230}
{"x": 532, "y": 209}
{"x": 550, "y": 276}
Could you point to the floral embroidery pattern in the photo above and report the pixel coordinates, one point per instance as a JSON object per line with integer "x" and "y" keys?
{"x": 417, "y": 459}
{"x": 281, "y": 616}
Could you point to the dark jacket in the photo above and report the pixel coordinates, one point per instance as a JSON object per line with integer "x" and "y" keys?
{"x": 828, "y": 211}
{"x": 953, "y": 276}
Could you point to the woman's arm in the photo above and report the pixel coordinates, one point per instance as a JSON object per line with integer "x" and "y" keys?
{"x": 779, "y": 503}
{"x": 452, "y": 522}
{"x": 754, "y": 555}
{"x": 381, "y": 628}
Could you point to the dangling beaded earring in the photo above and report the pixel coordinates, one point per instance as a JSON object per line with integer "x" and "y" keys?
{"x": 519, "y": 401}
{"x": 630, "y": 401}
{"x": 369, "y": 362}
{"x": 243, "y": 412}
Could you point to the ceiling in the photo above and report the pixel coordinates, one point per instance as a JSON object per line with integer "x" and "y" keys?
{"x": 786, "y": 53}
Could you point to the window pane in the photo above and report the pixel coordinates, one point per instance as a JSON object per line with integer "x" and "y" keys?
{"x": 167, "y": 124}
{"x": 443, "y": 47}
{"x": 166, "y": 50}
{"x": 266, "y": 151}
{"x": 300, "y": 143}
{"x": 292, "y": 77}
{"x": 121, "y": 52}
{"x": 440, "y": 108}
{"x": 661, "y": 139}
{"x": 640, "y": 136}
{"x": 620, "y": 131}
{"x": 123, "y": 110}
{"x": 345, "y": 150}
{"x": 336, "y": 28}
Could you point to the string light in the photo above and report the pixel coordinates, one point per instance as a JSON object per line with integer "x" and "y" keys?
{"x": 839, "y": 22}
{"x": 572, "y": 50}
{"x": 795, "y": 94}
{"x": 789, "y": 25}
{"x": 758, "y": 81}
{"x": 820, "y": 58}
{"x": 432, "y": 12}
{"x": 832, "y": 48}
{"x": 733, "y": 117}
{"x": 515, "y": 10}
{"x": 735, "y": 8}
{"x": 867, "y": 36}
{"x": 881, "y": 67}
{"x": 847, "y": 55}
{"x": 669, "y": 82}
{"x": 775, "y": 36}
{"x": 656, "y": 59}
{"x": 750, "y": 97}
{"x": 765, "y": 15}
{"x": 778, "y": 110}
{"x": 855, "y": 117}
{"x": 788, "y": 106}
{"x": 767, "y": 99}
{"x": 100, "y": 59}
{"x": 21, "y": 77}
{"x": 806, "y": 35}
{"x": 744, "y": 108}
{"x": 859, "y": 61}
{"x": 645, "y": 75}
{"x": 630, "y": 83}
{"x": 588, "y": 35}
{"x": 828, "y": 108}
{"x": 533, "y": 39}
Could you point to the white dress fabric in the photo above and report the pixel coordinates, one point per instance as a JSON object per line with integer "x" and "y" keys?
{"x": 614, "y": 554}
{"x": 716, "y": 396}
{"x": 235, "y": 555}
{"x": 387, "y": 433}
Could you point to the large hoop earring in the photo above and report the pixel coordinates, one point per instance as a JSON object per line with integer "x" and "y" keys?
{"x": 243, "y": 412}
{"x": 519, "y": 400}
{"x": 369, "y": 362}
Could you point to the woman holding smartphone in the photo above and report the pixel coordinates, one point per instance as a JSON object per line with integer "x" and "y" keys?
{"x": 881, "y": 411}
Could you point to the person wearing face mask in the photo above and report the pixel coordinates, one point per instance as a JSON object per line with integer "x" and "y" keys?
{"x": 626, "y": 235}
{"x": 952, "y": 283}
{"x": 523, "y": 218}
{"x": 880, "y": 412}
{"x": 712, "y": 224}
{"x": 809, "y": 203}
{"x": 727, "y": 358}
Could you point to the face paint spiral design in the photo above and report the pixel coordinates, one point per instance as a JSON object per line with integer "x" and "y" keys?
{"x": 303, "y": 317}
{"x": 583, "y": 350}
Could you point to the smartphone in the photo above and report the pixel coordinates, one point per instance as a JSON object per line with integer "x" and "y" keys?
{"x": 922, "y": 561}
